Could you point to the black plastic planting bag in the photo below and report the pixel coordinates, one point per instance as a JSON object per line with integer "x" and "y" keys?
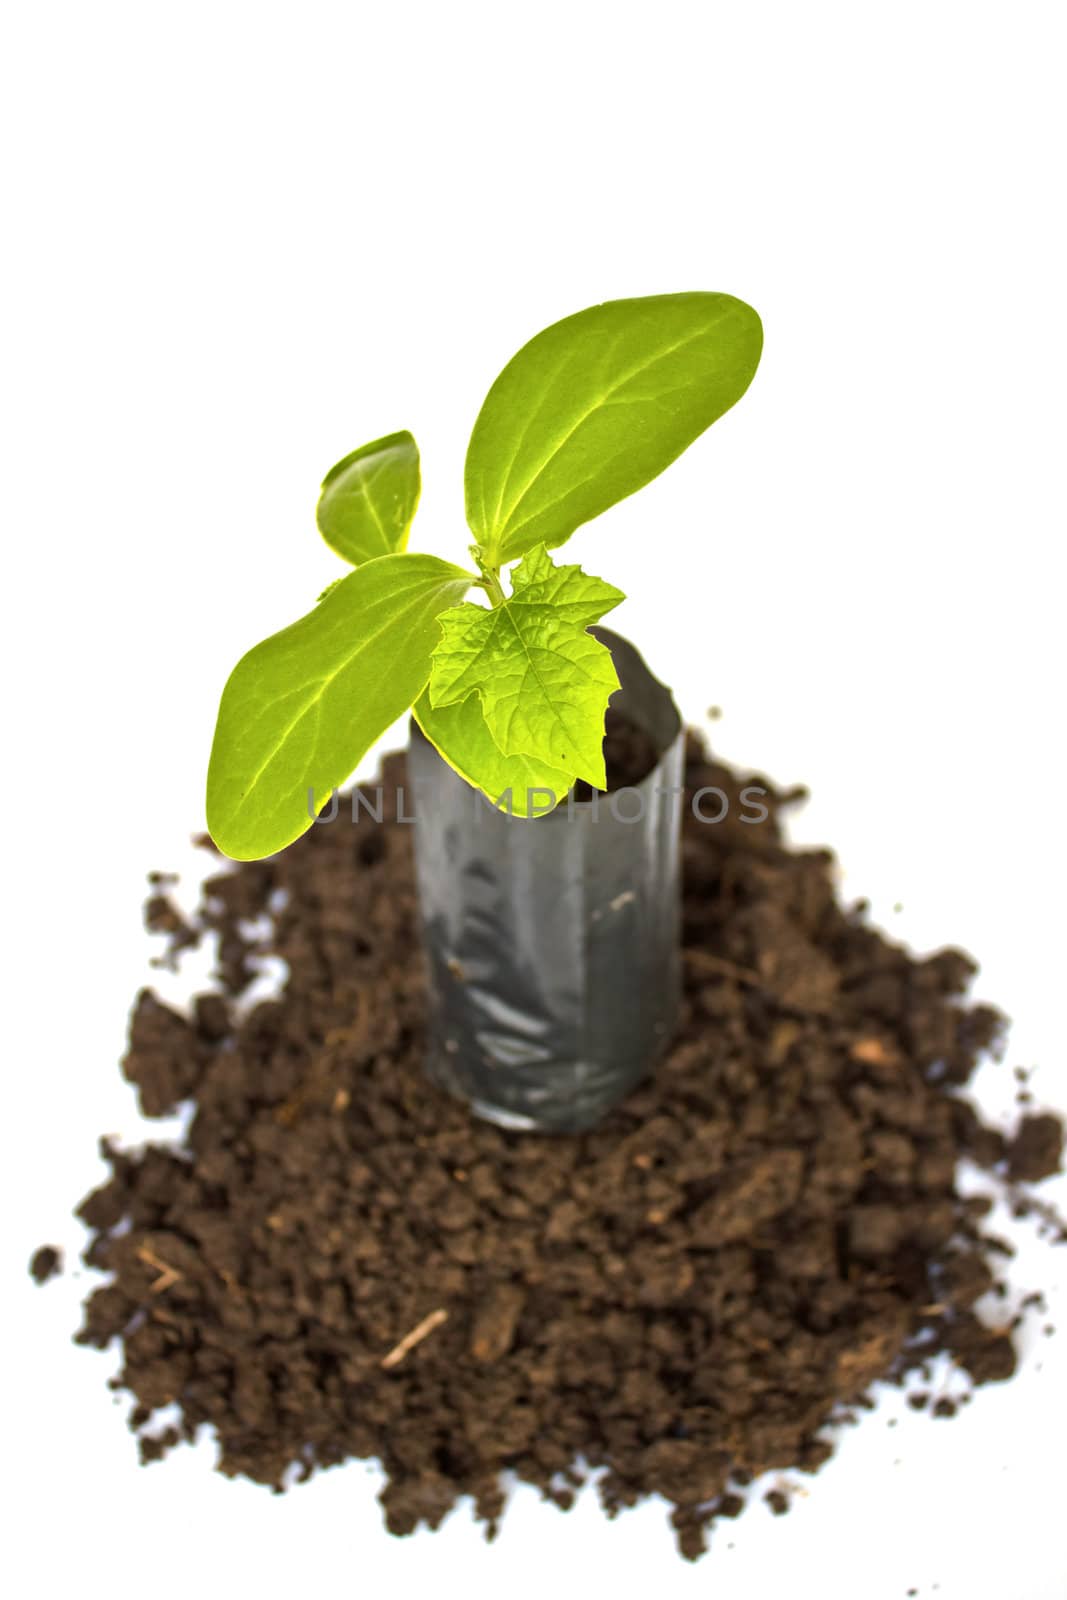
{"x": 553, "y": 943}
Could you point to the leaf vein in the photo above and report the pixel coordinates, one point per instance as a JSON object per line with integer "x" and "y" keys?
{"x": 620, "y": 382}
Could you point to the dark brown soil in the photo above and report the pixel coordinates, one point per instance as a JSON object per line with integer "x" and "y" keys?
{"x": 341, "y": 1262}
{"x": 47, "y": 1262}
{"x": 629, "y": 755}
{"x": 1036, "y": 1150}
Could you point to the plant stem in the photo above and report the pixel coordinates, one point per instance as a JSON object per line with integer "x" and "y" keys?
{"x": 492, "y": 587}
{"x": 490, "y": 580}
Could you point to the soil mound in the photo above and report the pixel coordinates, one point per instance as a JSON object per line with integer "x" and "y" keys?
{"x": 340, "y": 1261}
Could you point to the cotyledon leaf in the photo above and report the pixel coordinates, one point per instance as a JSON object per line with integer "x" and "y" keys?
{"x": 596, "y": 406}
{"x": 543, "y": 681}
{"x": 368, "y": 500}
{"x": 461, "y": 736}
{"x": 301, "y": 709}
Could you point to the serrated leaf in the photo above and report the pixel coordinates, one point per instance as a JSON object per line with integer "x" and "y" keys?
{"x": 368, "y": 500}
{"x": 302, "y": 708}
{"x": 596, "y": 406}
{"x": 461, "y": 736}
{"x": 543, "y": 681}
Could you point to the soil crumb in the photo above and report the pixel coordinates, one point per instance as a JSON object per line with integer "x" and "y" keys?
{"x": 1036, "y": 1150}
{"x": 340, "y": 1261}
{"x": 47, "y": 1262}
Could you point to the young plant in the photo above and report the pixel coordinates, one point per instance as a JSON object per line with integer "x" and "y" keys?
{"x": 511, "y": 689}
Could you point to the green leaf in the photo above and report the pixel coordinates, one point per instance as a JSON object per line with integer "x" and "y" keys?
{"x": 596, "y": 406}
{"x": 461, "y": 736}
{"x": 301, "y": 709}
{"x": 368, "y": 500}
{"x": 543, "y": 681}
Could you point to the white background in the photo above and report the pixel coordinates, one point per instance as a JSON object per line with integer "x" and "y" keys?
{"x": 241, "y": 240}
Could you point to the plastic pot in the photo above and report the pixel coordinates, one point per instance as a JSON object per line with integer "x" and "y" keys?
{"x": 553, "y": 944}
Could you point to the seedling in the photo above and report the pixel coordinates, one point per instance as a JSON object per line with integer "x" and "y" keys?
{"x": 511, "y": 688}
